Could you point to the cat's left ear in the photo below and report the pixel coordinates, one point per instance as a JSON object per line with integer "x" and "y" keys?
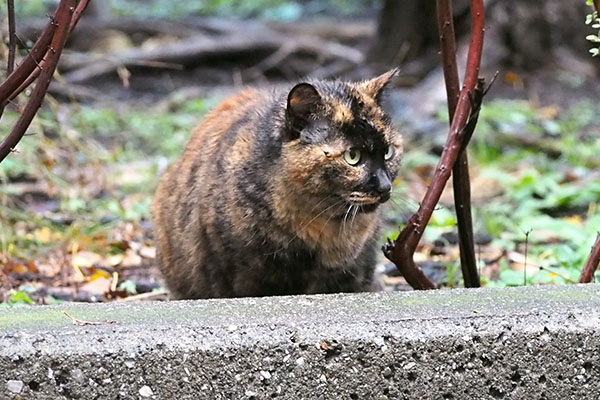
{"x": 376, "y": 87}
{"x": 303, "y": 102}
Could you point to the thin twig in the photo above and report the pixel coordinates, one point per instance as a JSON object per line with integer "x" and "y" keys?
{"x": 29, "y": 63}
{"x": 401, "y": 251}
{"x": 80, "y": 322}
{"x": 461, "y": 182}
{"x": 42, "y": 64}
{"x": 526, "y": 251}
{"x": 12, "y": 43}
{"x": 63, "y": 19}
{"x": 587, "y": 275}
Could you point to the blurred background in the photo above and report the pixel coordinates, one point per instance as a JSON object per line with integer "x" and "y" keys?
{"x": 137, "y": 76}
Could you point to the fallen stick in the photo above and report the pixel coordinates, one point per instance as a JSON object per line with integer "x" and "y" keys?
{"x": 193, "y": 51}
{"x": 80, "y": 322}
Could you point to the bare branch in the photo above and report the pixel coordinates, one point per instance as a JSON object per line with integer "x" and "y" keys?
{"x": 587, "y": 275}
{"x": 41, "y": 64}
{"x": 402, "y": 250}
{"x": 63, "y": 18}
{"x": 29, "y": 63}
{"x": 461, "y": 182}
{"x": 12, "y": 43}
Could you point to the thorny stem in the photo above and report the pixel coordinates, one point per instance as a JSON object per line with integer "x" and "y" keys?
{"x": 401, "y": 251}
{"x": 587, "y": 275}
{"x": 42, "y": 64}
{"x": 63, "y": 19}
{"x": 29, "y": 63}
{"x": 461, "y": 182}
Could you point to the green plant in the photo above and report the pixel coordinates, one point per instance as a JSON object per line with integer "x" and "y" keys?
{"x": 594, "y": 20}
{"x": 19, "y": 298}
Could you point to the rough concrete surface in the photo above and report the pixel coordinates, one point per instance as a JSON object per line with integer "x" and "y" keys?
{"x": 520, "y": 343}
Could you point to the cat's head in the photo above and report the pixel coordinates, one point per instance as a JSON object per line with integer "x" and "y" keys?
{"x": 339, "y": 142}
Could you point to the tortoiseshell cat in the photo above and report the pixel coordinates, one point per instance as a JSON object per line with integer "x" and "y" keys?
{"x": 277, "y": 193}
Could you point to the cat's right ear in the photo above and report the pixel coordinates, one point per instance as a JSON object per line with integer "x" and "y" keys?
{"x": 302, "y": 103}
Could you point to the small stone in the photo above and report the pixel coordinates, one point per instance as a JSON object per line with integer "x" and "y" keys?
{"x": 250, "y": 393}
{"x": 409, "y": 365}
{"x": 145, "y": 391}
{"x": 300, "y": 361}
{"x": 14, "y": 386}
{"x": 323, "y": 379}
{"x": 78, "y": 376}
{"x": 387, "y": 372}
{"x": 130, "y": 364}
{"x": 265, "y": 374}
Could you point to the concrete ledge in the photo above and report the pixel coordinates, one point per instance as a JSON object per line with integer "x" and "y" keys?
{"x": 521, "y": 343}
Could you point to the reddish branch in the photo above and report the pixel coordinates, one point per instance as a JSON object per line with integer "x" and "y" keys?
{"x": 12, "y": 42}
{"x": 460, "y": 170}
{"x": 60, "y": 24}
{"x": 587, "y": 275}
{"x": 29, "y": 63}
{"x": 597, "y": 6}
{"x": 402, "y": 250}
{"x": 42, "y": 63}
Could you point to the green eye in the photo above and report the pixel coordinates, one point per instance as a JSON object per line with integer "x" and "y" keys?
{"x": 352, "y": 156}
{"x": 389, "y": 153}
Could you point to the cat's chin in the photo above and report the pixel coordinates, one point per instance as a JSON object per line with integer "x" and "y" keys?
{"x": 368, "y": 208}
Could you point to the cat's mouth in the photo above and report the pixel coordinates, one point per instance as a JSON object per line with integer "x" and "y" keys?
{"x": 366, "y": 202}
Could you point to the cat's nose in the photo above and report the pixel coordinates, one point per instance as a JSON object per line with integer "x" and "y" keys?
{"x": 380, "y": 183}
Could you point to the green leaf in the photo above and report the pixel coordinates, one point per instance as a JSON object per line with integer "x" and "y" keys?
{"x": 19, "y": 298}
{"x": 593, "y": 38}
{"x": 588, "y": 19}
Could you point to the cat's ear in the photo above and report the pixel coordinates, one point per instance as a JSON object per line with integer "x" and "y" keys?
{"x": 303, "y": 102}
{"x": 375, "y": 87}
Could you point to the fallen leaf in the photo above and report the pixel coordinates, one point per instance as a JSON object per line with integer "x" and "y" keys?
{"x": 131, "y": 259}
{"x": 100, "y": 273}
{"x": 115, "y": 259}
{"x": 85, "y": 259}
{"x": 43, "y": 235}
{"x": 148, "y": 252}
{"x": 574, "y": 219}
{"x": 98, "y": 286}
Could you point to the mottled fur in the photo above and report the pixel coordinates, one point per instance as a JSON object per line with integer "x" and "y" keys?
{"x": 262, "y": 202}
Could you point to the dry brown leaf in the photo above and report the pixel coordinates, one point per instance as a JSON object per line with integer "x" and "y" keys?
{"x": 131, "y": 258}
{"x": 148, "y": 252}
{"x": 98, "y": 286}
{"x": 85, "y": 259}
